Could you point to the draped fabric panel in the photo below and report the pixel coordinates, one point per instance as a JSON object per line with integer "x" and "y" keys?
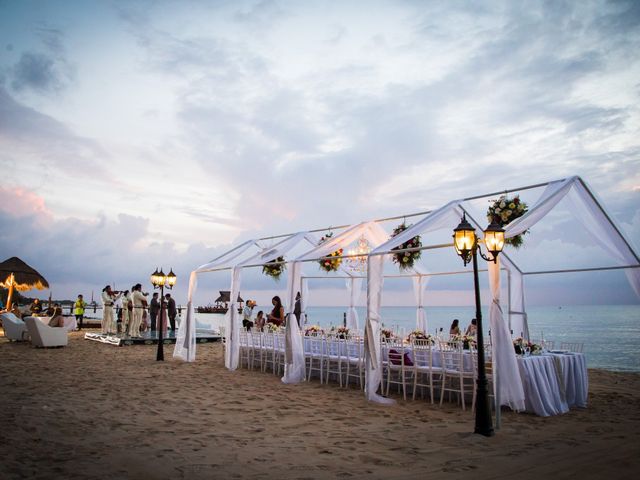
{"x": 419, "y": 287}
{"x": 509, "y": 383}
{"x": 233, "y": 323}
{"x": 593, "y": 217}
{"x": 186, "y": 349}
{"x": 372, "y": 347}
{"x": 354, "y": 289}
{"x": 294, "y": 363}
{"x": 553, "y": 193}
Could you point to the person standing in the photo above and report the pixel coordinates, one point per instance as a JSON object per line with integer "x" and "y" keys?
{"x": 127, "y": 307}
{"x": 171, "y": 311}
{"x": 297, "y": 308}
{"x": 78, "y": 310}
{"x": 109, "y": 298}
{"x": 277, "y": 314}
{"x": 139, "y": 304}
{"x": 36, "y": 306}
{"x": 154, "y": 308}
{"x": 247, "y": 312}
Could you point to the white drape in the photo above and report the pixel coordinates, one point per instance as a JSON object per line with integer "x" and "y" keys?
{"x": 505, "y": 363}
{"x": 354, "y": 290}
{"x": 593, "y": 218}
{"x": 419, "y": 287}
{"x": 294, "y": 364}
{"x": 232, "y": 323}
{"x": 591, "y": 214}
{"x": 186, "y": 348}
{"x": 372, "y": 347}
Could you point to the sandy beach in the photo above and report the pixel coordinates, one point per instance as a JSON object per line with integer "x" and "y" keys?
{"x": 97, "y": 411}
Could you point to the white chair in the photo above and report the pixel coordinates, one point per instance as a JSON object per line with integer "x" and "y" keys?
{"x": 455, "y": 378}
{"x": 336, "y": 348}
{"x": 315, "y": 354}
{"x": 572, "y": 346}
{"x": 355, "y": 360}
{"x": 425, "y": 374}
{"x": 14, "y": 328}
{"x": 45, "y": 336}
{"x": 398, "y": 366}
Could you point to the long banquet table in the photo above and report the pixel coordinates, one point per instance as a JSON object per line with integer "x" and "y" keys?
{"x": 554, "y": 382}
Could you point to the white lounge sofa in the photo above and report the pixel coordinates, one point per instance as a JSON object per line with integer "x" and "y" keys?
{"x": 45, "y": 336}
{"x": 14, "y": 328}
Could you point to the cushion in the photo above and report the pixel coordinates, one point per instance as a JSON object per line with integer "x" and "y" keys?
{"x": 396, "y": 359}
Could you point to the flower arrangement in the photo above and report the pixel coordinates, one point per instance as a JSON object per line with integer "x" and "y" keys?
{"x": 468, "y": 341}
{"x": 420, "y": 335}
{"x": 274, "y": 268}
{"x": 503, "y": 211}
{"x": 521, "y": 346}
{"x": 405, "y": 260}
{"x": 342, "y": 332}
{"x": 272, "y": 328}
{"x": 387, "y": 334}
{"x": 329, "y": 264}
{"x": 313, "y": 331}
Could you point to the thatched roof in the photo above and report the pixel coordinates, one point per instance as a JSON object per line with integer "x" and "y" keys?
{"x": 225, "y": 296}
{"x": 25, "y": 277}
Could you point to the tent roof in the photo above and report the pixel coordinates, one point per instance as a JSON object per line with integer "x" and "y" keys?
{"x": 25, "y": 277}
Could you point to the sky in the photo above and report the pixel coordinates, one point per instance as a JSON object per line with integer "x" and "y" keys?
{"x": 136, "y": 134}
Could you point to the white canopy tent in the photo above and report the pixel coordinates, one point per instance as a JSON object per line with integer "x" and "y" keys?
{"x": 588, "y": 211}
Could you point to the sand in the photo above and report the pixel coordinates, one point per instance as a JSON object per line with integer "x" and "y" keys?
{"x": 103, "y": 412}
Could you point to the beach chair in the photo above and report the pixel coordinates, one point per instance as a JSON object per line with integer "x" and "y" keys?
{"x": 14, "y": 328}
{"x": 45, "y": 336}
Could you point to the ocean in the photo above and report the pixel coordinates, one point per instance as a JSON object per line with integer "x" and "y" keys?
{"x": 610, "y": 333}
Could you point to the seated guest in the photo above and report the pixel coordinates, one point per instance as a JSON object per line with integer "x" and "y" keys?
{"x": 57, "y": 320}
{"x": 472, "y": 329}
{"x": 277, "y": 314}
{"x": 455, "y": 329}
{"x": 36, "y": 306}
{"x": 15, "y": 309}
{"x": 260, "y": 320}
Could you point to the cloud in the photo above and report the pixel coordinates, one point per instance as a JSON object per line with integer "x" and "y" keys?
{"x": 39, "y": 140}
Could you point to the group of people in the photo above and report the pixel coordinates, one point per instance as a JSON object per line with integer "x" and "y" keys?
{"x": 133, "y": 311}
{"x": 472, "y": 328}
{"x": 276, "y": 316}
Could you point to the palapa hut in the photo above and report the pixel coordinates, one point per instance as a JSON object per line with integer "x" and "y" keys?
{"x": 15, "y": 274}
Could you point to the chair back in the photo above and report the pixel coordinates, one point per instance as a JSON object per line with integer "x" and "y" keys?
{"x": 451, "y": 356}
{"x": 422, "y": 352}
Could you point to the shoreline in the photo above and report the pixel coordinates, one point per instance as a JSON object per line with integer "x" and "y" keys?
{"x": 97, "y": 411}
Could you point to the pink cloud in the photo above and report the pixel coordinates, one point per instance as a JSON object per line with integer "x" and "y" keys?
{"x": 20, "y": 202}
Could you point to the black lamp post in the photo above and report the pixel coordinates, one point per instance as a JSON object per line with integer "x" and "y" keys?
{"x": 160, "y": 280}
{"x": 466, "y": 244}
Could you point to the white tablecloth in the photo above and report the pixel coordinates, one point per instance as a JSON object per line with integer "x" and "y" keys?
{"x": 554, "y": 382}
